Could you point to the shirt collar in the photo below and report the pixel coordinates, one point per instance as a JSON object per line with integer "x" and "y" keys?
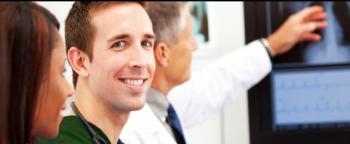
{"x": 158, "y": 103}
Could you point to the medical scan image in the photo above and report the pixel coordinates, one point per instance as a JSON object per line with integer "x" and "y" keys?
{"x": 334, "y": 47}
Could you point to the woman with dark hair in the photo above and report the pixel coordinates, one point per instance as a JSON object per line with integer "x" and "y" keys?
{"x": 37, "y": 89}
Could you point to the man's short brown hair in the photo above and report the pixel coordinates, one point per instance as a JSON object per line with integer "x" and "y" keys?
{"x": 79, "y": 31}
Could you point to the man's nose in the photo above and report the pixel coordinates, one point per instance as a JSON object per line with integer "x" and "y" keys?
{"x": 137, "y": 57}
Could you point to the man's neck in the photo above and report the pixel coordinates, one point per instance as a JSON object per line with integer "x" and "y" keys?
{"x": 100, "y": 113}
{"x": 161, "y": 83}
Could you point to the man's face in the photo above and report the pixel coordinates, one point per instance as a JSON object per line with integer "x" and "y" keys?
{"x": 180, "y": 57}
{"x": 123, "y": 64}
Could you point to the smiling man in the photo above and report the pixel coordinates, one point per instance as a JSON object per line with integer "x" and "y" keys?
{"x": 110, "y": 48}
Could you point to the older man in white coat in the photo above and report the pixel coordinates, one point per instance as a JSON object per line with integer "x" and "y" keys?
{"x": 161, "y": 121}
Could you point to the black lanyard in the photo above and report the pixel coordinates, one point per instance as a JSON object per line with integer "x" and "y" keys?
{"x": 97, "y": 139}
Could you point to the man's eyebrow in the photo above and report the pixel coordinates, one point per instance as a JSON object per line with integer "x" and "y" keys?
{"x": 121, "y": 36}
{"x": 150, "y": 36}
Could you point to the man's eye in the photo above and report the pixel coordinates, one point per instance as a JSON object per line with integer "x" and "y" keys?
{"x": 147, "y": 44}
{"x": 119, "y": 44}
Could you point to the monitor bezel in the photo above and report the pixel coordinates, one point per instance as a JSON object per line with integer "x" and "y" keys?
{"x": 259, "y": 97}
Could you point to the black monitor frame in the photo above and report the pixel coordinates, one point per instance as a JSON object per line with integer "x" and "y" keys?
{"x": 259, "y": 97}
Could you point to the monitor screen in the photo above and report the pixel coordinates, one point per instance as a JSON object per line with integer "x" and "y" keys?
{"x": 310, "y": 98}
{"x": 306, "y": 97}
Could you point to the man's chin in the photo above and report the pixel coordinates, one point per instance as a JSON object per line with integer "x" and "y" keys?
{"x": 133, "y": 108}
{"x": 185, "y": 79}
{"x": 138, "y": 107}
{"x": 138, "y": 104}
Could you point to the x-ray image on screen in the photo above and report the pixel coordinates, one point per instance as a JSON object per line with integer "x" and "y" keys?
{"x": 335, "y": 44}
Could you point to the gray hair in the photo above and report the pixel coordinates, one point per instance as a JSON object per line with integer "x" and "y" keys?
{"x": 168, "y": 19}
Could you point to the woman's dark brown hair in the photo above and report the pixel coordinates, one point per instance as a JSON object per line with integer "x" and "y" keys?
{"x": 29, "y": 34}
{"x": 4, "y": 74}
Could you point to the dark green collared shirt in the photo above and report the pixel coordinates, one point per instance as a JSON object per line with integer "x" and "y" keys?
{"x": 72, "y": 131}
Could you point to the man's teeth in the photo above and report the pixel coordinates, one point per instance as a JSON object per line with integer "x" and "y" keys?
{"x": 133, "y": 82}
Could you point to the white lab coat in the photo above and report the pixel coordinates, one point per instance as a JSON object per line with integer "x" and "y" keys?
{"x": 143, "y": 127}
{"x": 204, "y": 94}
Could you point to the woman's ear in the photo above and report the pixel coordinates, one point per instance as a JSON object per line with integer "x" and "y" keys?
{"x": 78, "y": 61}
{"x": 161, "y": 54}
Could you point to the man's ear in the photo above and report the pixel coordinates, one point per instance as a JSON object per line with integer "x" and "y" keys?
{"x": 161, "y": 54}
{"x": 78, "y": 61}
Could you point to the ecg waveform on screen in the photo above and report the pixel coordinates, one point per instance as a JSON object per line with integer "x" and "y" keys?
{"x": 311, "y": 97}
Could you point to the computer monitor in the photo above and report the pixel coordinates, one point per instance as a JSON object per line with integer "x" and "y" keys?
{"x": 306, "y": 97}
